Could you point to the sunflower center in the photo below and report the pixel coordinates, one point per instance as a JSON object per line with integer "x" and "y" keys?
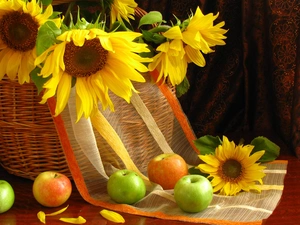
{"x": 85, "y": 60}
{"x": 18, "y": 31}
{"x": 231, "y": 169}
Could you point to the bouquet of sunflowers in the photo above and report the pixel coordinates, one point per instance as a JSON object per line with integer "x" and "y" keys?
{"x": 98, "y": 52}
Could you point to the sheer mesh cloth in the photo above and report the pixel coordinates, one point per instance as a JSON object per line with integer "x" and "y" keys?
{"x": 91, "y": 158}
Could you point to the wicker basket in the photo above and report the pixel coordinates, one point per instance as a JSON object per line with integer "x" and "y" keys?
{"x": 29, "y": 142}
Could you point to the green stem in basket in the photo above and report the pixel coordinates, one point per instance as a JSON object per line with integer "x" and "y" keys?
{"x": 46, "y": 2}
{"x": 69, "y": 12}
{"x": 102, "y": 14}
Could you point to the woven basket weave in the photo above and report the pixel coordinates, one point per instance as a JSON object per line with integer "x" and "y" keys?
{"x": 29, "y": 143}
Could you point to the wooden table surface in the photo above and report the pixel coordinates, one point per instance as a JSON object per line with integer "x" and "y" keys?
{"x": 25, "y": 207}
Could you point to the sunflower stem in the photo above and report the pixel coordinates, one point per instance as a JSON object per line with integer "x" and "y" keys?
{"x": 102, "y": 14}
{"x": 68, "y": 12}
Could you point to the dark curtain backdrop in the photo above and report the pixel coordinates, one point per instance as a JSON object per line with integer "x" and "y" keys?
{"x": 252, "y": 84}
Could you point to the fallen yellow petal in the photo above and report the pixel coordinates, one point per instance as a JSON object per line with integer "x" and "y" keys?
{"x": 41, "y": 216}
{"x": 78, "y": 220}
{"x": 58, "y": 212}
{"x": 112, "y": 216}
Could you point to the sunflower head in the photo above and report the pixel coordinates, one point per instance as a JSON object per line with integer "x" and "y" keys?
{"x": 94, "y": 62}
{"x": 122, "y": 10}
{"x": 20, "y": 22}
{"x": 233, "y": 168}
{"x": 192, "y": 37}
{"x": 201, "y": 33}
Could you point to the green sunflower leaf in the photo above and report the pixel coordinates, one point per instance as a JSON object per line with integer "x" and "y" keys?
{"x": 272, "y": 150}
{"x": 38, "y": 80}
{"x": 153, "y": 37}
{"x": 207, "y": 144}
{"x": 46, "y": 2}
{"x": 151, "y": 18}
{"x": 46, "y": 36}
{"x": 183, "y": 87}
{"x": 195, "y": 170}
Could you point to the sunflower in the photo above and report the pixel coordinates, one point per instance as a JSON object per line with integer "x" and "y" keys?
{"x": 171, "y": 60}
{"x": 98, "y": 61}
{"x": 20, "y": 22}
{"x": 185, "y": 45}
{"x": 122, "y": 9}
{"x": 232, "y": 168}
{"x": 201, "y": 33}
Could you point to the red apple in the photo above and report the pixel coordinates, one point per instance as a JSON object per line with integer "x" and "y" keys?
{"x": 51, "y": 188}
{"x": 166, "y": 169}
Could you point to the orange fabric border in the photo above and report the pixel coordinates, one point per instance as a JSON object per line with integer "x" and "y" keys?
{"x": 81, "y": 187}
{"x": 278, "y": 162}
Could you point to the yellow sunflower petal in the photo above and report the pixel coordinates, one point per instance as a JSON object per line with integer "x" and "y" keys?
{"x": 207, "y": 168}
{"x": 85, "y": 96}
{"x": 122, "y": 9}
{"x": 41, "y": 216}
{"x": 220, "y": 153}
{"x": 78, "y": 220}
{"x": 5, "y": 57}
{"x": 254, "y": 175}
{"x": 240, "y": 154}
{"x": 210, "y": 159}
{"x": 59, "y": 54}
{"x": 230, "y": 189}
{"x": 255, "y": 157}
{"x": 63, "y": 92}
{"x": 50, "y": 88}
{"x": 255, "y": 188}
{"x": 130, "y": 74}
{"x": 41, "y": 58}
{"x": 112, "y": 216}
{"x": 13, "y": 62}
{"x": 58, "y": 212}
{"x": 25, "y": 67}
{"x": 102, "y": 92}
{"x": 216, "y": 181}
{"x": 42, "y": 18}
{"x": 228, "y": 147}
{"x": 173, "y": 33}
{"x": 51, "y": 64}
{"x": 195, "y": 56}
{"x": 127, "y": 35}
{"x": 218, "y": 186}
{"x": 175, "y": 69}
{"x": 79, "y": 37}
{"x": 164, "y": 47}
{"x": 122, "y": 88}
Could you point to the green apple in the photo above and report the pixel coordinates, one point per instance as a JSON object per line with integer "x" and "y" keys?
{"x": 126, "y": 186}
{"x": 7, "y": 196}
{"x": 193, "y": 193}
